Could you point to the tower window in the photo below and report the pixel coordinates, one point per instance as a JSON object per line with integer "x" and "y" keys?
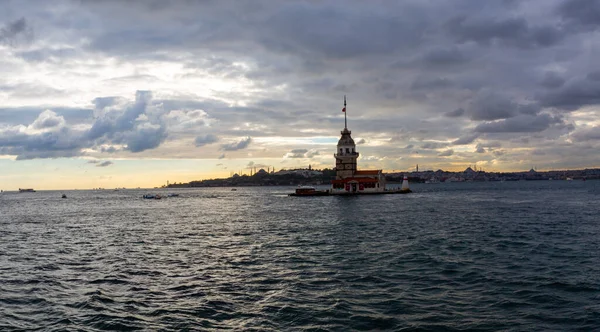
{"x": 347, "y": 150}
{"x": 352, "y": 150}
{"x": 341, "y": 150}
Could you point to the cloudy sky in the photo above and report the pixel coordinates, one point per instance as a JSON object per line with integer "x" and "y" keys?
{"x": 112, "y": 93}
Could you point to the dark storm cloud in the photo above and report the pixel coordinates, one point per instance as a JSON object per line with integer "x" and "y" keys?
{"x": 583, "y": 13}
{"x": 574, "y": 94}
{"x": 338, "y": 31}
{"x": 445, "y": 57}
{"x": 552, "y": 80}
{"x": 492, "y": 106}
{"x": 502, "y": 67}
{"x": 519, "y": 124}
{"x": 429, "y": 84}
{"x": 594, "y": 76}
{"x": 242, "y": 144}
{"x": 456, "y": 113}
{"x": 205, "y": 139}
{"x": 514, "y": 31}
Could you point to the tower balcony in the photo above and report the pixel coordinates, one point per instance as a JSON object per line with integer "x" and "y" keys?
{"x": 351, "y": 154}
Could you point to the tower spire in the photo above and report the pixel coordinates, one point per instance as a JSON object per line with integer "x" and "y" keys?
{"x": 345, "y": 120}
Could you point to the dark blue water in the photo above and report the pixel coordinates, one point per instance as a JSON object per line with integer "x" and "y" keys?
{"x": 517, "y": 256}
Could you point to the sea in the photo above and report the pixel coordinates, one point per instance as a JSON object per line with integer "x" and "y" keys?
{"x": 491, "y": 256}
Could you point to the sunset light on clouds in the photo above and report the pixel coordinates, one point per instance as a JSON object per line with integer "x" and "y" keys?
{"x": 137, "y": 93}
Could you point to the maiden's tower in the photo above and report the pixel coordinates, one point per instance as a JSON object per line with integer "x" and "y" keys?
{"x": 348, "y": 179}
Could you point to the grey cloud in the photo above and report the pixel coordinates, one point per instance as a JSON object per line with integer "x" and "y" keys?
{"x": 51, "y": 144}
{"x": 145, "y": 137}
{"x": 512, "y": 31}
{"x": 468, "y": 139}
{"x": 296, "y": 153}
{"x": 594, "y": 76}
{"x": 242, "y": 144}
{"x": 446, "y": 153}
{"x": 429, "y": 84}
{"x": 445, "y": 57}
{"x": 104, "y": 102}
{"x": 519, "y": 124}
{"x": 479, "y": 149}
{"x": 586, "y": 134}
{"x": 55, "y": 55}
{"x": 104, "y": 164}
{"x": 585, "y": 13}
{"x": 456, "y": 113}
{"x": 552, "y": 80}
{"x": 11, "y": 32}
{"x": 283, "y": 48}
{"x": 375, "y": 33}
{"x": 110, "y": 149}
{"x": 361, "y": 141}
{"x": 433, "y": 145}
{"x": 492, "y": 106}
{"x": 574, "y": 94}
{"x": 48, "y": 119}
{"x": 116, "y": 120}
{"x": 222, "y": 156}
{"x": 302, "y": 153}
{"x": 115, "y": 124}
{"x": 205, "y": 139}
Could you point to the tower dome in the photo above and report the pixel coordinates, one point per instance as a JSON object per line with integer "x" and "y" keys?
{"x": 346, "y": 139}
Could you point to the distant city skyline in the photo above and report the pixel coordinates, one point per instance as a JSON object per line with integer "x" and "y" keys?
{"x": 103, "y": 94}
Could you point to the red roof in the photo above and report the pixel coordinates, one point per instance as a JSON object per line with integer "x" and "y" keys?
{"x": 359, "y": 180}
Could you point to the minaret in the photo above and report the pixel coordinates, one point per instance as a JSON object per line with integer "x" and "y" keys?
{"x": 346, "y": 156}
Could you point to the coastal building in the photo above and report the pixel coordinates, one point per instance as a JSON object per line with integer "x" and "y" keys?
{"x": 348, "y": 179}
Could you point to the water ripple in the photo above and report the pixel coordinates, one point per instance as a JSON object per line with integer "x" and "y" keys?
{"x": 453, "y": 257}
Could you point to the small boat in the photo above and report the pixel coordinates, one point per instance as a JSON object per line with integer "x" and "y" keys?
{"x": 569, "y": 179}
{"x": 309, "y": 191}
{"x": 64, "y": 196}
{"x": 233, "y": 189}
{"x": 28, "y": 190}
{"x": 149, "y": 196}
{"x": 172, "y": 195}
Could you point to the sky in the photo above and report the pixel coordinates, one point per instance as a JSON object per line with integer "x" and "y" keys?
{"x": 134, "y": 94}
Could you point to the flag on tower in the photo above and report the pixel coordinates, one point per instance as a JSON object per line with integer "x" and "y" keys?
{"x": 344, "y": 110}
